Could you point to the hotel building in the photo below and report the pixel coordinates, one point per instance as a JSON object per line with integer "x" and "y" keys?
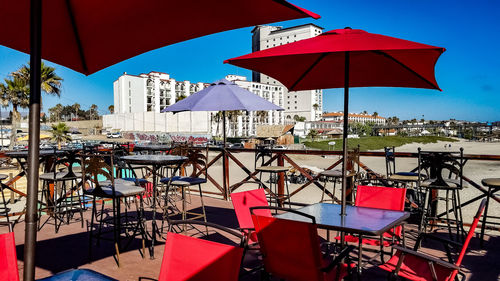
{"x": 308, "y": 104}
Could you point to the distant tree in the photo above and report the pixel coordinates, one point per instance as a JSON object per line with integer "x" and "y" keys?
{"x": 60, "y": 133}
{"x": 316, "y": 106}
{"x": 111, "y": 109}
{"x": 364, "y": 112}
{"x": 94, "y": 114}
{"x": 180, "y": 97}
{"x": 375, "y": 114}
{"x": 298, "y": 118}
{"x": 313, "y": 134}
{"x": 76, "y": 108}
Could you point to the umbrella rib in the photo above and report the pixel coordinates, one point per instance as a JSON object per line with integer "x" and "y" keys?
{"x": 308, "y": 70}
{"x": 406, "y": 67}
{"x": 77, "y": 36}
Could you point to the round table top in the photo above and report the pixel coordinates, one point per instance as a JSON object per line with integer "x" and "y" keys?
{"x": 42, "y": 152}
{"x": 153, "y": 159}
{"x": 3, "y": 176}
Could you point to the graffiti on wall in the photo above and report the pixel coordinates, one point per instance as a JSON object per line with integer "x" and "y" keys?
{"x": 165, "y": 137}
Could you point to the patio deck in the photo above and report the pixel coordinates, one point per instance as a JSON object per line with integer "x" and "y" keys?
{"x": 68, "y": 249}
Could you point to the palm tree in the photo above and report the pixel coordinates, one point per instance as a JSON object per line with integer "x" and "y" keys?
{"x": 262, "y": 115}
{"x": 60, "y": 133}
{"x": 375, "y": 114}
{"x": 93, "y": 111}
{"x": 316, "y": 106}
{"x": 76, "y": 107}
{"x": 17, "y": 90}
{"x": 58, "y": 111}
{"x": 111, "y": 109}
{"x": 51, "y": 82}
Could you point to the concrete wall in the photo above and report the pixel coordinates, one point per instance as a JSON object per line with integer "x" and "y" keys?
{"x": 185, "y": 122}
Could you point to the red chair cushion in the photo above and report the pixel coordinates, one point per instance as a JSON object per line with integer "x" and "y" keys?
{"x": 8, "y": 258}
{"x": 189, "y": 258}
{"x": 243, "y": 201}
{"x": 416, "y": 269}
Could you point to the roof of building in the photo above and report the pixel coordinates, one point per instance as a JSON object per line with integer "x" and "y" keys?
{"x": 335, "y": 114}
{"x": 272, "y": 131}
{"x": 295, "y": 27}
{"x": 287, "y": 28}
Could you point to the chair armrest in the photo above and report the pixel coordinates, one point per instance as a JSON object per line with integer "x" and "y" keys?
{"x": 426, "y": 257}
{"x": 338, "y": 258}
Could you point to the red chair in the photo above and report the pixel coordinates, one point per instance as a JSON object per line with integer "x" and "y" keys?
{"x": 387, "y": 198}
{"x": 191, "y": 258}
{"x": 242, "y": 202}
{"x": 291, "y": 249}
{"x": 8, "y": 260}
{"x": 418, "y": 266}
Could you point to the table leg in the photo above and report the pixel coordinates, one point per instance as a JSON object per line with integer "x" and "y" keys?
{"x": 360, "y": 256}
{"x": 154, "y": 226}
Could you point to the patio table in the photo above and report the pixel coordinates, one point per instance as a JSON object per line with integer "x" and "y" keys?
{"x": 359, "y": 220}
{"x": 22, "y": 156}
{"x": 78, "y": 275}
{"x": 156, "y": 161}
{"x": 152, "y": 147}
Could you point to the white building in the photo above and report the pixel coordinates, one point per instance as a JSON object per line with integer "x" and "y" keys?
{"x": 139, "y": 99}
{"x": 354, "y": 117}
{"x": 308, "y": 104}
{"x": 150, "y": 92}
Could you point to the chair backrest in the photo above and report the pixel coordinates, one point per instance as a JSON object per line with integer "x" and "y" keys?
{"x": 290, "y": 249}
{"x": 8, "y": 260}
{"x": 95, "y": 169}
{"x": 387, "y": 198}
{"x": 243, "y": 201}
{"x": 196, "y": 164}
{"x": 390, "y": 160}
{"x": 191, "y": 258}
{"x": 262, "y": 155}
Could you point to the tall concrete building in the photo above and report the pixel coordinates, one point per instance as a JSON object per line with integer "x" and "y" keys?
{"x": 308, "y": 104}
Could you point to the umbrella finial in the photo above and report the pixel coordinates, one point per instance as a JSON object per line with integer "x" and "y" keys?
{"x": 347, "y": 27}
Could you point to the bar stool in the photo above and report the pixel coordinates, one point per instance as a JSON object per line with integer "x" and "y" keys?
{"x": 493, "y": 185}
{"x": 61, "y": 202}
{"x": 439, "y": 164}
{"x": 333, "y": 175}
{"x": 264, "y": 155}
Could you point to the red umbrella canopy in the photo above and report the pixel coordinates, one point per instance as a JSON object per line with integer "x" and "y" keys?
{"x": 374, "y": 60}
{"x": 90, "y": 35}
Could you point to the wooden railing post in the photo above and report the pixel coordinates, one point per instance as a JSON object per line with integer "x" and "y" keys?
{"x": 281, "y": 179}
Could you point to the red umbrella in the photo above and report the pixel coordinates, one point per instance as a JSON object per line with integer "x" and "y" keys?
{"x": 346, "y": 58}
{"x": 90, "y": 35}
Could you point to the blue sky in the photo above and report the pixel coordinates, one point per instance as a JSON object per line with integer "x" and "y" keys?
{"x": 468, "y": 72}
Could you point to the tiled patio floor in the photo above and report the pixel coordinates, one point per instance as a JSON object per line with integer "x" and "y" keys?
{"x": 69, "y": 249}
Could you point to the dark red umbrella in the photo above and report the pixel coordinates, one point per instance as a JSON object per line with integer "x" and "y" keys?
{"x": 89, "y": 35}
{"x": 346, "y": 58}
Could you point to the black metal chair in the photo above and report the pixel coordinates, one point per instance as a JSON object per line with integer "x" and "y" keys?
{"x": 4, "y": 209}
{"x": 100, "y": 183}
{"x": 444, "y": 172}
{"x": 196, "y": 166}
{"x": 60, "y": 196}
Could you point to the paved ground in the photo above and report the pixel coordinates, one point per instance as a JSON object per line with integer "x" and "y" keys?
{"x": 69, "y": 249}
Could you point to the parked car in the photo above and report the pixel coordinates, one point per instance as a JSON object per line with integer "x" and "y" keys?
{"x": 280, "y": 147}
{"x": 237, "y": 145}
{"x": 114, "y": 135}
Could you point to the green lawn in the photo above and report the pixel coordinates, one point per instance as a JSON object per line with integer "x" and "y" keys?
{"x": 374, "y": 143}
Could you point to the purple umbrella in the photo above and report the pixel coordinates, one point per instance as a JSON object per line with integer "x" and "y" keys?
{"x": 222, "y": 95}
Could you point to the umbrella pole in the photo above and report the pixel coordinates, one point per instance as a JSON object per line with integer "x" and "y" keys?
{"x": 34, "y": 139}
{"x": 344, "y": 135}
{"x": 224, "y": 160}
